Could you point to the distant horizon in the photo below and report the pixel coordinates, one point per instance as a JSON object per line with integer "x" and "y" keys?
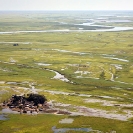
{"x": 66, "y": 10}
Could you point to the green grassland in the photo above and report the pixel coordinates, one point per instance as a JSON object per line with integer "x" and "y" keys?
{"x": 95, "y": 63}
{"x": 44, "y": 124}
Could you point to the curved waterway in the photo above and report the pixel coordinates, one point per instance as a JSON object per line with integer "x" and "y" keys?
{"x": 58, "y": 76}
{"x": 67, "y": 30}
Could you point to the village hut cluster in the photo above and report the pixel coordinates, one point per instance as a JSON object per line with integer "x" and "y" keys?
{"x": 31, "y": 103}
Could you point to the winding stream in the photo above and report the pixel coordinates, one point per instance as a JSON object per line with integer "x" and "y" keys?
{"x": 58, "y": 76}
{"x": 123, "y": 60}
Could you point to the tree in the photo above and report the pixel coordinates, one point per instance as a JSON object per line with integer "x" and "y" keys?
{"x": 37, "y": 99}
{"x": 102, "y": 75}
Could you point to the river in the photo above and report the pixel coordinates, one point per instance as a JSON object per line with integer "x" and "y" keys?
{"x": 67, "y": 30}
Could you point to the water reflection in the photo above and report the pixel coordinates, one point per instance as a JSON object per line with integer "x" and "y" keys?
{"x": 8, "y": 110}
{"x": 64, "y": 130}
{"x": 3, "y": 117}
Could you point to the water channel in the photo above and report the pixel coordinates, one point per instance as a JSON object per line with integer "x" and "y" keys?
{"x": 64, "y": 130}
{"x": 67, "y": 30}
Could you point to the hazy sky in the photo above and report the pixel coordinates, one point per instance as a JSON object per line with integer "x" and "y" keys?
{"x": 66, "y": 4}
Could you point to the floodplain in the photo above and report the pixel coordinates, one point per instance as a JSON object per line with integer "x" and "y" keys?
{"x": 81, "y": 61}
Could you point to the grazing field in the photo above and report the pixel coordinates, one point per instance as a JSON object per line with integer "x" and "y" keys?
{"x": 87, "y": 73}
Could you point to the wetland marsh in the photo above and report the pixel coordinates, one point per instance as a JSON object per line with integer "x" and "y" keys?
{"x": 77, "y": 67}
